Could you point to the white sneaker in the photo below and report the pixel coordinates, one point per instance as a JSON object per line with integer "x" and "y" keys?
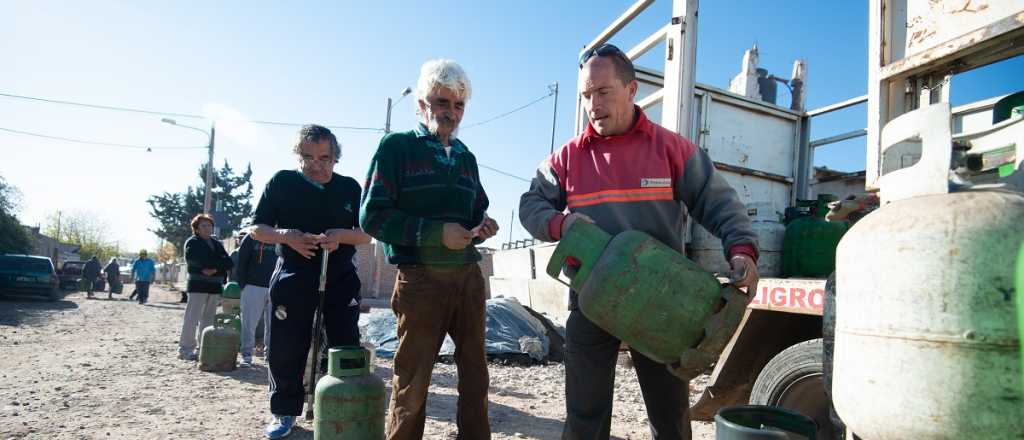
{"x": 246, "y": 362}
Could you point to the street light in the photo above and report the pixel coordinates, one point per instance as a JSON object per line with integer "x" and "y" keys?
{"x": 208, "y": 198}
{"x": 387, "y": 122}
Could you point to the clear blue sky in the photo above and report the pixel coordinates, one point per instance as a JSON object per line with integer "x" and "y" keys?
{"x": 335, "y": 63}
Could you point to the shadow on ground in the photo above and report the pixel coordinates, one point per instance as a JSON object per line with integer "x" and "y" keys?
{"x": 504, "y": 419}
{"x": 256, "y": 375}
{"x": 17, "y": 309}
{"x": 165, "y": 305}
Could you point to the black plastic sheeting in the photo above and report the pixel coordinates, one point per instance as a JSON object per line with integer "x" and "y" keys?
{"x": 511, "y": 330}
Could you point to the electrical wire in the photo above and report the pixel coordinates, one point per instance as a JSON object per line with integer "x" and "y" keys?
{"x": 101, "y": 107}
{"x": 193, "y": 116}
{"x": 178, "y": 115}
{"x": 336, "y": 127}
{"x": 503, "y": 172}
{"x": 509, "y": 112}
{"x": 106, "y": 144}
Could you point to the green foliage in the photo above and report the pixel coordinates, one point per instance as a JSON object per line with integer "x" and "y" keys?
{"x": 86, "y": 229}
{"x": 232, "y": 194}
{"x": 14, "y": 238}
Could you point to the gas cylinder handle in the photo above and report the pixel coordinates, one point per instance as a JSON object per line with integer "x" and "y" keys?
{"x": 222, "y": 319}
{"x": 583, "y": 242}
{"x": 348, "y": 360}
{"x": 930, "y": 127}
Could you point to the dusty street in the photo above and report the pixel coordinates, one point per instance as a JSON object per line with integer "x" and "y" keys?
{"x": 106, "y": 369}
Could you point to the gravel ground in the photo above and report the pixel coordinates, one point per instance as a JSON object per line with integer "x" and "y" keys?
{"x": 106, "y": 369}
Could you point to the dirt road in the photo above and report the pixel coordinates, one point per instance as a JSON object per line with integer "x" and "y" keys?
{"x": 106, "y": 369}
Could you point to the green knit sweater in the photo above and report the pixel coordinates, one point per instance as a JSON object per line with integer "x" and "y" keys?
{"x": 412, "y": 189}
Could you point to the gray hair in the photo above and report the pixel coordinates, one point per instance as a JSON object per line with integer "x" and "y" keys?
{"x": 442, "y": 73}
{"x": 316, "y": 134}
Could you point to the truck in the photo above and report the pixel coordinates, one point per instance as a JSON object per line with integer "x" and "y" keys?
{"x": 780, "y": 353}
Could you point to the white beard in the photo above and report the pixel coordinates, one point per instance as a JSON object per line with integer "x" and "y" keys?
{"x": 432, "y": 127}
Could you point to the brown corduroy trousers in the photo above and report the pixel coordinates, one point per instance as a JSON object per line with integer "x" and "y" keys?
{"x": 429, "y": 302}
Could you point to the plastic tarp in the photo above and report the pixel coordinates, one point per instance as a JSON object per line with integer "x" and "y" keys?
{"x": 511, "y": 329}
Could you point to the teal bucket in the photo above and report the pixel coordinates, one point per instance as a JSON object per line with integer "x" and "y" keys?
{"x": 759, "y": 422}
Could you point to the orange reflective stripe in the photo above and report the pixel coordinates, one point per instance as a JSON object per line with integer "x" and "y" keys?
{"x": 635, "y": 195}
{"x": 618, "y": 192}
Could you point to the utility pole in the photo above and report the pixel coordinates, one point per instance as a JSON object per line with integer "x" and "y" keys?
{"x": 511, "y": 222}
{"x": 211, "y": 136}
{"x": 378, "y": 249}
{"x": 58, "y": 226}
{"x": 554, "y": 117}
{"x": 387, "y": 120}
{"x": 208, "y": 199}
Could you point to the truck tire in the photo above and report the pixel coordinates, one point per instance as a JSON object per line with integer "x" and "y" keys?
{"x": 793, "y": 380}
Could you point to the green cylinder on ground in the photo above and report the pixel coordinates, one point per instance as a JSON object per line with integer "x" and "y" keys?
{"x": 218, "y": 347}
{"x": 231, "y": 299}
{"x": 757, "y": 422}
{"x": 638, "y": 289}
{"x": 349, "y": 402}
{"x": 809, "y": 246}
{"x": 232, "y": 290}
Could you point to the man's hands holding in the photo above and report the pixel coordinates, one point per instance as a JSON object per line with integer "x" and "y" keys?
{"x": 744, "y": 273}
{"x": 486, "y": 229}
{"x": 303, "y": 243}
{"x": 455, "y": 237}
{"x": 573, "y": 218}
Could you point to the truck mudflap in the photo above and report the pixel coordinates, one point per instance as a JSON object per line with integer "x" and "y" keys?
{"x": 784, "y": 312}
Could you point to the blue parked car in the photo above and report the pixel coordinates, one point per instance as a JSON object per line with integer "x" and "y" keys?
{"x": 29, "y": 274}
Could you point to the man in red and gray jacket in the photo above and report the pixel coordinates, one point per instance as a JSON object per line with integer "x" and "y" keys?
{"x": 625, "y": 172}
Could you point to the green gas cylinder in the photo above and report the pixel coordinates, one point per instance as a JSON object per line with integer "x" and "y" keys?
{"x": 218, "y": 347}
{"x": 809, "y": 246}
{"x": 649, "y": 296}
{"x": 231, "y": 299}
{"x": 1020, "y": 308}
{"x": 349, "y": 401}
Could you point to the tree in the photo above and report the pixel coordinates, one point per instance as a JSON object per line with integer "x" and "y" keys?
{"x": 86, "y": 229}
{"x": 13, "y": 236}
{"x": 166, "y": 253}
{"x": 232, "y": 196}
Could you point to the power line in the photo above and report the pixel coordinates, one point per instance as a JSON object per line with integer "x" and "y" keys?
{"x": 336, "y": 127}
{"x": 163, "y": 113}
{"x": 503, "y": 172}
{"x": 101, "y": 107}
{"x": 106, "y": 144}
{"x": 510, "y": 111}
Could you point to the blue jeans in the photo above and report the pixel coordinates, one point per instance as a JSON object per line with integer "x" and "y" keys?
{"x": 143, "y": 288}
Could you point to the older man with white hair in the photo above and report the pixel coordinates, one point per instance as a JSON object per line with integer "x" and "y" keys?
{"x": 424, "y": 201}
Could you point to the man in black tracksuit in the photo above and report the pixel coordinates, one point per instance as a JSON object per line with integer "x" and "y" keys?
{"x": 303, "y": 212}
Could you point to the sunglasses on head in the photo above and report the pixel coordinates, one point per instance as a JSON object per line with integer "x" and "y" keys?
{"x": 603, "y": 50}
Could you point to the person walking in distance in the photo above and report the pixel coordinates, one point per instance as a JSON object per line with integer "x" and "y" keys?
{"x": 113, "y": 272}
{"x": 90, "y": 272}
{"x": 143, "y": 272}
